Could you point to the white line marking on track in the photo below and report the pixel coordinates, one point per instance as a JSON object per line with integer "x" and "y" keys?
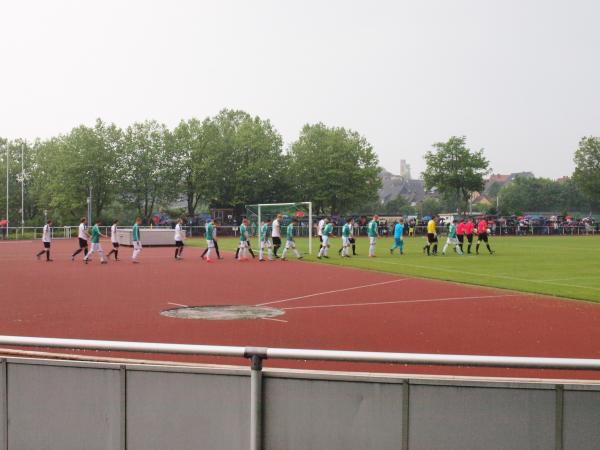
{"x": 178, "y": 304}
{"x": 331, "y": 292}
{"x": 428, "y": 300}
{"x": 274, "y": 320}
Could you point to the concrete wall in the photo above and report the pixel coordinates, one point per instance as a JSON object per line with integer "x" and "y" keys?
{"x": 66, "y": 405}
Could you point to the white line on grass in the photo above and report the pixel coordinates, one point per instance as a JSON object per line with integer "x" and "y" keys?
{"x": 429, "y": 300}
{"x": 335, "y": 291}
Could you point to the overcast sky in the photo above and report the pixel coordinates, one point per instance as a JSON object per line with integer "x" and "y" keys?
{"x": 519, "y": 78}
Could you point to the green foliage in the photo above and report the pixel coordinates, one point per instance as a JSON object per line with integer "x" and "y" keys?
{"x": 335, "y": 168}
{"x": 455, "y": 171}
{"x": 431, "y": 206}
{"x": 541, "y": 195}
{"x": 587, "y": 167}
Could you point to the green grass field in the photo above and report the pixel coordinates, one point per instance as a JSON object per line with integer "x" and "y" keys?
{"x": 561, "y": 266}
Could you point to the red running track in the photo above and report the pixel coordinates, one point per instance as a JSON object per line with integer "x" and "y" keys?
{"x": 123, "y": 301}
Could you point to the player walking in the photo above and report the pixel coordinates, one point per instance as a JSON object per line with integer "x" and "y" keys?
{"x": 289, "y": 241}
{"x": 83, "y": 239}
{"x": 432, "y": 238}
{"x": 46, "y": 240}
{"x": 482, "y": 236}
{"x": 135, "y": 238}
{"x": 326, "y": 233}
{"x": 265, "y": 243}
{"x": 244, "y": 240}
{"x": 372, "y": 233}
{"x": 275, "y": 234}
{"x": 398, "y": 237}
{"x": 346, "y": 236}
{"x": 209, "y": 234}
{"x": 114, "y": 239}
{"x": 179, "y": 236}
{"x": 96, "y": 246}
{"x": 452, "y": 239}
{"x": 460, "y": 234}
{"x": 320, "y": 226}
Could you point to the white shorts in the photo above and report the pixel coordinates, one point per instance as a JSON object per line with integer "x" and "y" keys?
{"x": 325, "y": 241}
{"x": 372, "y": 240}
{"x": 210, "y": 244}
{"x": 265, "y": 244}
{"x": 96, "y": 247}
{"x": 290, "y": 244}
{"x": 345, "y": 241}
{"x": 243, "y": 244}
{"x": 453, "y": 241}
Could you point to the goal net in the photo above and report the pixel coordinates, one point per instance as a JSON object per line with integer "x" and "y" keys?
{"x": 260, "y": 213}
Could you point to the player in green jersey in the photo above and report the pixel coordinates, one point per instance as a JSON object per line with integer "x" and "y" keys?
{"x": 289, "y": 241}
{"x": 243, "y": 241}
{"x": 265, "y": 242}
{"x": 452, "y": 239}
{"x": 96, "y": 246}
{"x": 326, "y": 234}
{"x": 135, "y": 240}
{"x": 372, "y": 233}
{"x": 346, "y": 235}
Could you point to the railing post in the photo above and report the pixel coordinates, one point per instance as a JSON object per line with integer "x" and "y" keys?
{"x": 256, "y": 356}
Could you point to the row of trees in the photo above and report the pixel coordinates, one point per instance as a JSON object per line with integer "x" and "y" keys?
{"x": 228, "y": 160}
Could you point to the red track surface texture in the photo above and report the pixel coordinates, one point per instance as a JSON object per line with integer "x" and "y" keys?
{"x": 325, "y": 308}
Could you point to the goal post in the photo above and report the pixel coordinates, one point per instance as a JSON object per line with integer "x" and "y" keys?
{"x": 302, "y": 211}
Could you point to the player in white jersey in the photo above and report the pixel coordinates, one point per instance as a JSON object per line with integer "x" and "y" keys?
{"x": 46, "y": 240}
{"x": 114, "y": 239}
{"x": 276, "y": 234}
{"x": 83, "y": 239}
{"x": 179, "y": 236}
{"x": 320, "y": 226}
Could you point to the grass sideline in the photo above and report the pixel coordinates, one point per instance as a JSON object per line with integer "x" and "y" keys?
{"x": 561, "y": 266}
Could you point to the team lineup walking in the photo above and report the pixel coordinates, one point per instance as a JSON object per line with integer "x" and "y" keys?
{"x": 270, "y": 234}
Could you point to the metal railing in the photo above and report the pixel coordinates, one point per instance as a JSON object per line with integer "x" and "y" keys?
{"x": 257, "y": 355}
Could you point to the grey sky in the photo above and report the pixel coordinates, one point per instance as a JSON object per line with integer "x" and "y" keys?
{"x": 519, "y": 78}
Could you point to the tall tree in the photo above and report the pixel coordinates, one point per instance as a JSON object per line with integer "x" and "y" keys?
{"x": 335, "y": 168}
{"x": 147, "y": 168}
{"x": 587, "y": 168}
{"x": 455, "y": 171}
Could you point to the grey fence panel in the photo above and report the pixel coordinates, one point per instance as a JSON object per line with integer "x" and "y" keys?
{"x": 458, "y": 418}
{"x": 311, "y": 414}
{"x": 182, "y": 411}
{"x": 582, "y": 420}
{"x": 66, "y": 408}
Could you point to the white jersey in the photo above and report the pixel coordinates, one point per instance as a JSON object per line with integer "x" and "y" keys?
{"x": 214, "y": 232}
{"x": 178, "y": 233}
{"x": 46, "y": 234}
{"x": 276, "y": 229}
{"x": 82, "y": 233}
{"x": 320, "y": 227}
{"x": 113, "y": 234}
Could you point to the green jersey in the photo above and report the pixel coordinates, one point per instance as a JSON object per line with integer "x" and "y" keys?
{"x": 346, "y": 230}
{"x": 243, "y": 233}
{"x": 264, "y": 232}
{"x": 452, "y": 231}
{"x": 136, "y": 232}
{"x": 95, "y": 234}
{"x": 209, "y": 231}
{"x": 289, "y": 232}
{"x": 327, "y": 229}
{"x": 372, "y": 228}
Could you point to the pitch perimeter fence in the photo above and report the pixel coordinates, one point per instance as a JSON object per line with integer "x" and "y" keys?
{"x": 60, "y": 404}
{"x": 70, "y": 231}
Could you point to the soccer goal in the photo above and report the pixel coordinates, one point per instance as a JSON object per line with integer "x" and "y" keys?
{"x": 302, "y": 211}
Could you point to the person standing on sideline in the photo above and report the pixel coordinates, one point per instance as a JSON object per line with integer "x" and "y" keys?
{"x": 469, "y": 229}
{"x": 346, "y": 236}
{"x": 243, "y": 241}
{"x": 179, "y": 236}
{"x": 327, "y": 230}
{"x": 135, "y": 239}
{"x": 460, "y": 234}
{"x": 83, "y": 239}
{"x": 96, "y": 246}
{"x": 398, "y": 237}
{"x": 275, "y": 234}
{"x": 482, "y": 236}
{"x": 289, "y": 241}
{"x": 265, "y": 243}
{"x": 114, "y": 239}
{"x": 432, "y": 238}
{"x": 372, "y": 233}
{"x": 452, "y": 239}
{"x": 46, "y": 240}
